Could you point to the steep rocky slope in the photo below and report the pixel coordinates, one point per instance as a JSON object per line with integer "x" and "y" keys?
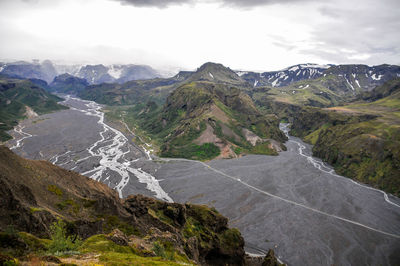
{"x": 34, "y": 194}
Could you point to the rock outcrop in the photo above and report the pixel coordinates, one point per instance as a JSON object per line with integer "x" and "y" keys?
{"x": 35, "y": 194}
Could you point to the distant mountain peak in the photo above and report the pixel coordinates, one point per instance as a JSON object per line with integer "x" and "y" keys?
{"x": 218, "y": 73}
{"x": 306, "y": 65}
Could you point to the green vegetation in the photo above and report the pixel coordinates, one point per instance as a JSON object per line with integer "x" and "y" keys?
{"x": 194, "y": 109}
{"x": 330, "y": 90}
{"x": 138, "y": 230}
{"x": 361, "y": 140}
{"x": 129, "y": 93}
{"x": 56, "y": 190}
{"x": 60, "y": 241}
{"x": 263, "y": 148}
{"x": 202, "y": 152}
{"x": 15, "y": 96}
{"x": 112, "y": 222}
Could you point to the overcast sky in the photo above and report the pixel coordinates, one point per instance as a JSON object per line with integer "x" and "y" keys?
{"x": 241, "y": 34}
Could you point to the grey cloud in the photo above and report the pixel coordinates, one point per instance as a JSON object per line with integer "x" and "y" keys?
{"x": 232, "y": 3}
{"x": 363, "y": 31}
{"x": 153, "y": 3}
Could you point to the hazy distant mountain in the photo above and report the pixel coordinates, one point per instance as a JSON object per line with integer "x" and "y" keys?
{"x": 124, "y": 73}
{"x": 97, "y": 74}
{"x": 67, "y": 83}
{"x": 93, "y": 74}
{"x": 44, "y": 70}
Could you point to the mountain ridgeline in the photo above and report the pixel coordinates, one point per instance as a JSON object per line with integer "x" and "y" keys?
{"x": 93, "y": 74}
{"x": 203, "y": 115}
{"x": 202, "y": 120}
{"x": 215, "y": 112}
{"x": 187, "y": 115}
{"x": 68, "y": 84}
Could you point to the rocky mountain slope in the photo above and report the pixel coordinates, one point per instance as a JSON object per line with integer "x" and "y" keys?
{"x": 216, "y": 73}
{"x": 101, "y": 228}
{"x": 361, "y": 140}
{"x": 285, "y": 76}
{"x": 203, "y": 120}
{"x": 68, "y": 84}
{"x": 355, "y": 77}
{"x": 197, "y": 115}
{"x": 333, "y": 86}
{"x": 44, "y": 70}
{"x": 20, "y": 99}
{"x": 97, "y": 74}
{"x": 158, "y": 89}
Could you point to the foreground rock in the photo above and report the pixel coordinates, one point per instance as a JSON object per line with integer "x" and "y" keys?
{"x": 36, "y": 193}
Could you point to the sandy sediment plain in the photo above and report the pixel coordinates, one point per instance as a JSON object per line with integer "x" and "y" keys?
{"x": 292, "y": 202}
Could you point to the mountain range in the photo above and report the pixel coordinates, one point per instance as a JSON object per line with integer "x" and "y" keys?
{"x": 93, "y": 74}
{"x": 349, "y": 113}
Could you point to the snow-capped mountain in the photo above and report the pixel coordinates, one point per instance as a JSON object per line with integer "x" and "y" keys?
{"x": 285, "y": 76}
{"x": 363, "y": 77}
{"x": 35, "y": 70}
{"x": 354, "y": 77}
{"x": 94, "y": 74}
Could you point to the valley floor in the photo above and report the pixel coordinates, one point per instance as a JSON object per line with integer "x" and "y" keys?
{"x": 309, "y": 216}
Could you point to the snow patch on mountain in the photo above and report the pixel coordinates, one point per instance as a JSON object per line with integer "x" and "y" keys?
{"x": 374, "y": 77}
{"x": 115, "y": 71}
{"x": 241, "y": 73}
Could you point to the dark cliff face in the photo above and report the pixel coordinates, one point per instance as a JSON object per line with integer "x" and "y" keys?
{"x": 34, "y": 194}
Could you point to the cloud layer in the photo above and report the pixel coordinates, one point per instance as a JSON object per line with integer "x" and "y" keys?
{"x": 233, "y": 3}
{"x": 245, "y": 34}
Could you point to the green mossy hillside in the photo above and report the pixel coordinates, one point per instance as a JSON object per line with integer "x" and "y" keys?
{"x": 201, "y": 120}
{"x": 361, "y": 140}
{"x": 16, "y": 95}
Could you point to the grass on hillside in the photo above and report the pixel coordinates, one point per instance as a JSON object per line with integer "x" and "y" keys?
{"x": 21, "y": 93}
{"x": 368, "y": 151}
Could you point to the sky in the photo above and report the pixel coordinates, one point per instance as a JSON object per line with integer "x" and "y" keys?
{"x": 258, "y": 35}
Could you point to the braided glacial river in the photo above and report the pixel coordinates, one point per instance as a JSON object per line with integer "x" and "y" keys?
{"x": 293, "y": 202}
